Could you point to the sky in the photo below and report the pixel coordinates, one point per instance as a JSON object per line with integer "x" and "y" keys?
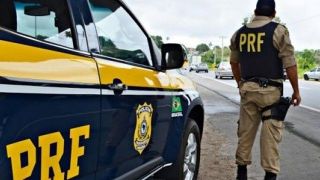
{"x": 192, "y": 22}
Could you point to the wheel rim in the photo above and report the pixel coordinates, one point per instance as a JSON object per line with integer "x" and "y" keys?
{"x": 190, "y": 157}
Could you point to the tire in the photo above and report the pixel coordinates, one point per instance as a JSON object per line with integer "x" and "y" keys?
{"x": 181, "y": 169}
{"x": 306, "y": 77}
{"x": 206, "y": 71}
{"x": 197, "y": 71}
{"x": 216, "y": 77}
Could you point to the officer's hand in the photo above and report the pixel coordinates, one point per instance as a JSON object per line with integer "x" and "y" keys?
{"x": 296, "y": 99}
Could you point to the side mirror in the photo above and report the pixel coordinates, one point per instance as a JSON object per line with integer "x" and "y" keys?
{"x": 173, "y": 56}
{"x": 36, "y": 11}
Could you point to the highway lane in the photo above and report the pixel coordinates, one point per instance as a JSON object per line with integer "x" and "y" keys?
{"x": 303, "y": 121}
{"x": 310, "y": 90}
{"x": 300, "y": 159}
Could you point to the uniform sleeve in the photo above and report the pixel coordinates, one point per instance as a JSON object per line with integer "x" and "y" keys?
{"x": 234, "y": 56}
{"x": 282, "y": 42}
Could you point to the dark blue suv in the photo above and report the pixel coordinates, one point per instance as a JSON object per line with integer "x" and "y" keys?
{"x": 86, "y": 94}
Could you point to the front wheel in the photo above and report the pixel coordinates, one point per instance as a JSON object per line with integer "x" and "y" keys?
{"x": 191, "y": 155}
{"x": 306, "y": 77}
{"x": 187, "y": 165}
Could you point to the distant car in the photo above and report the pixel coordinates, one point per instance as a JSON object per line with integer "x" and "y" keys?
{"x": 192, "y": 67}
{"x": 313, "y": 74}
{"x": 224, "y": 70}
{"x": 202, "y": 67}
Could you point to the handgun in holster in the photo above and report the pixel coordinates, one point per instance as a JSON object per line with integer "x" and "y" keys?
{"x": 278, "y": 110}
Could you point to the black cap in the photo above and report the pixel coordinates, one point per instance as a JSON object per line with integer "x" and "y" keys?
{"x": 265, "y": 7}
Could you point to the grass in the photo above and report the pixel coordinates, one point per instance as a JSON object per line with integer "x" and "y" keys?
{"x": 301, "y": 72}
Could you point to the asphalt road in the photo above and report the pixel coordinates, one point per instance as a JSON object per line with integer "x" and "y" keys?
{"x": 309, "y": 90}
{"x": 303, "y": 121}
{"x": 300, "y": 148}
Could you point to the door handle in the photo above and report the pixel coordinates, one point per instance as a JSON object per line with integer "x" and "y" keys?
{"x": 117, "y": 87}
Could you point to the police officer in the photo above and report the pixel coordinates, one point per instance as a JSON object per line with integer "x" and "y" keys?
{"x": 259, "y": 52}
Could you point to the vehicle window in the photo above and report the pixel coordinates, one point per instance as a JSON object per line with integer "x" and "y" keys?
{"x": 313, "y": 70}
{"x": 225, "y": 65}
{"x": 44, "y": 20}
{"x": 119, "y": 36}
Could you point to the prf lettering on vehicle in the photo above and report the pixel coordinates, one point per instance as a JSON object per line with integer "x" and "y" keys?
{"x": 251, "y": 41}
{"x": 86, "y": 93}
{"x": 20, "y": 172}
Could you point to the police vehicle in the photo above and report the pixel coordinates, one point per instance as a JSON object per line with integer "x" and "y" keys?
{"x": 86, "y": 94}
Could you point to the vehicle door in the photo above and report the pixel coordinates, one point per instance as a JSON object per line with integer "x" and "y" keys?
{"x": 136, "y": 100}
{"x": 49, "y": 94}
{"x": 313, "y": 73}
{"x": 318, "y": 74}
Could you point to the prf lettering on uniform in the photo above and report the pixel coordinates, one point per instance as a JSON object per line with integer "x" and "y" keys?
{"x": 251, "y": 41}
{"x": 47, "y": 161}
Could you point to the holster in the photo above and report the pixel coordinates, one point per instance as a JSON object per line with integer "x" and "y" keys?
{"x": 278, "y": 110}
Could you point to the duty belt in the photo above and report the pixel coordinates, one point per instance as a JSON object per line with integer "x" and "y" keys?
{"x": 264, "y": 82}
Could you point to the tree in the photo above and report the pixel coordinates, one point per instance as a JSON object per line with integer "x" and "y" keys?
{"x": 226, "y": 52}
{"x": 317, "y": 56}
{"x": 216, "y": 47}
{"x": 208, "y": 57}
{"x": 201, "y": 48}
{"x": 245, "y": 21}
{"x": 306, "y": 59}
{"x": 158, "y": 40}
{"x": 41, "y": 37}
{"x": 68, "y": 34}
{"x": 278, "y": 20}
{"x": 217, "y": 54}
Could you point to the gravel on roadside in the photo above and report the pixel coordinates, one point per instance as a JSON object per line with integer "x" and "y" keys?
{"x": 215, "y": 163}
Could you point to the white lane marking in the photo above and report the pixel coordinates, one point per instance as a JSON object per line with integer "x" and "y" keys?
{"x": 301, "y": 87}
{"x": 229, "y": 84}
{"x": 286, "y": 84}
{"x": 310, "y": 108}
{"x": 221, "y": 81}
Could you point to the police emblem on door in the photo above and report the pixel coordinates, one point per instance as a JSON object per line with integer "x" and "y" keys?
{"x": 142, "y": 133}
